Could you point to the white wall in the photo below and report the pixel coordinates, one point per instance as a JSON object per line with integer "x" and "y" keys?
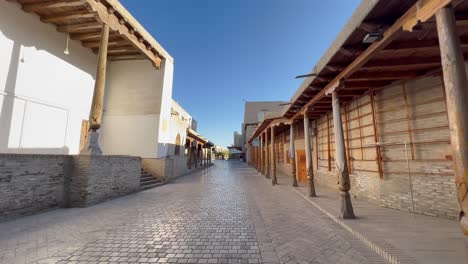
{"x": 44, "y": 94}
{"x": 135, "y": 93}
{"x": 164, "y": 135}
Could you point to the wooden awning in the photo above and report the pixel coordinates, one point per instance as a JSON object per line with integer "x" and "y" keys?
{"x": 196, "y": 136}
{"x": 268, "y": 122}
{"x": 83, "y": 20}
{"x": 409, "y": 49}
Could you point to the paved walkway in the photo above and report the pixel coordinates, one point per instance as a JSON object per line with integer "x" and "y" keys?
{"x": 224, "y": 214}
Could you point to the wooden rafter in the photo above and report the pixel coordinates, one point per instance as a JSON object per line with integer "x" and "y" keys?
{"x": 33, "y": 7}
{"x": 421, "y": 11}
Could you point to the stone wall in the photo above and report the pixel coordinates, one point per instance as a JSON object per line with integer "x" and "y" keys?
{"x": 33, "y": 183}
{"x": 30, "y": 183}
{"x": 433, "y": 195}
{"x": 94, "y": 179}
{"x": 168, "y": 168}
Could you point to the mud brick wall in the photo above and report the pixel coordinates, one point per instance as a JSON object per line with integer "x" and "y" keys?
{"x": 94, "y": 179}
{"x": 413, "y": 111}
{"x": 30, "y": 183}
{"x": 33, "y": 183}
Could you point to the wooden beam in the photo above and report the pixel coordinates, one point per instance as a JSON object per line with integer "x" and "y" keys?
{"x": 79, "y": 26}
{"x": 33, "y": 7}
{"x": 376, "y": 136}
{"x": 388, "y": 36}
{"x": 67, "y": 16}
{"x": 129, "y": 34}
{"x": 369, "y": 76}
{"x": 95, "y": 44}
{"x": 455, "y": 83}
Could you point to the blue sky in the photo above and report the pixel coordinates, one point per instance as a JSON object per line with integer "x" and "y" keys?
{"x": 228, "y": 51}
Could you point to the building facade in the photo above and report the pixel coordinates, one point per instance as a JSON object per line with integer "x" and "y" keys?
{"x": 380, "y": 117}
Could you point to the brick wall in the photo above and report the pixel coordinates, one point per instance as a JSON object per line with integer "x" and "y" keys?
{"x": 33, "y": 183}
{"x": 94, "y": 179}
{"x": 433, "y": 195}
{"x": 30, "y": 183}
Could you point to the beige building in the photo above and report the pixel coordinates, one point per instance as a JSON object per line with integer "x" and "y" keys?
{"x": 254, "y": 113}
{"x": 382, "y": 115}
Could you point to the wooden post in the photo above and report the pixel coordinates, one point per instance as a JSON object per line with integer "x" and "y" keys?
{"x": 348, "y": 135}
{"x": 308, "y": 155}
{"x": 95, "y": 116}
{"x": 340, "y": 161}
{"x": 328, "y": 141}
{"x": 456, "y": 89}
{"x": 267, "y": 155}
{"x": 316, "y": 142}
{"x": 189, "y": 158}
{"x": 262, "y": 157}
{"x": 292, "y": 154}
{"x": 274, "y": 181}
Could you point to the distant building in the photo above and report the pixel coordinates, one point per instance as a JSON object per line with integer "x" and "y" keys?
{"x": 254, "y": 113}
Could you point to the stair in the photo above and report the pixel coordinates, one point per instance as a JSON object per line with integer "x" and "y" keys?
{"x": 148, "y": 181}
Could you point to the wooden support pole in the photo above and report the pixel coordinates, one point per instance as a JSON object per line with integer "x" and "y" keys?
{"x": 316, "y": 143}
{"x": 348, "y": 135}
{"x": 347, "y": 211}
{"x": 95, "y": 116}
{"x": 378, "y": 151}
{"x": 308, "y": 155}
{"x": 328, "y": 142}
{"x": 274, "y": 180}
{"x": 267, "y": 155}
{"x": 456, "y": 89}
{"x": 189, "y": 158}
{"x": 292, "y": 155}
{"x": 262, "y": 161}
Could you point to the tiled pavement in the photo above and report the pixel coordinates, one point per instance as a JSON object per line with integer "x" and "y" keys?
{"x": 225, "y": 214}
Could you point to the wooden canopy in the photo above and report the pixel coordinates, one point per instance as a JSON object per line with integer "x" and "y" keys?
{"x": 409, "y": 49}
{"x": 84, "y": 19}
{"x": 196, "y": 136}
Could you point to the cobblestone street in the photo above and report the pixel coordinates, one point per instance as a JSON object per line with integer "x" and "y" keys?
{"x": 224, "y": 214}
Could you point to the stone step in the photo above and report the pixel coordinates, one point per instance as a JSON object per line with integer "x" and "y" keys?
{"x": 142, "y": 180}
{"x": 150, "y": 186}
{"x": 148, "y": 183}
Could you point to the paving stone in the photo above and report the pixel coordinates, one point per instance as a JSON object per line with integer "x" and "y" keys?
{"x": 225, "y": 214}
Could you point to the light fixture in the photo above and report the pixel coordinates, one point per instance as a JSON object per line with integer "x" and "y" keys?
{"x": 372, "y": 37}
{"x": 67, "y": 51}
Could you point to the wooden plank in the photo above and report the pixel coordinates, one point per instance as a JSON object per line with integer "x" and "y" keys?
{"x": 34, "y": 7}
{"x": 347, "y": 137}
{"x": 328, "y": 142}
{"x": 67, "y": 16}
{"x": 376, "y": 135}
{"x": 408, "y": 119}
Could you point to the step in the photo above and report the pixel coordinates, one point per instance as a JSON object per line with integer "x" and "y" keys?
{"x": 149, "y": 180}
{"x": 150, "y": 186}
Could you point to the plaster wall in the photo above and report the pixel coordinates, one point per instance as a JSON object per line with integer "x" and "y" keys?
{"x": 136, "y": 99}
{"x": 44, "y": 94}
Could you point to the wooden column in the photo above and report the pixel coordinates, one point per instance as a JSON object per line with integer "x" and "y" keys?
{"x": 292, "y": 154}
{"x": 340, "y": 161}
{"x": 456, "y": 89}
{"x": 189, "y": 158}
{"x": 196, "y": 155}
{"x": 274, "y": 180}
{"x": 95, "y": 116}
{"x": 267, "y": 155}
{"x": 308, "y": 155}
{"x": 328, "y": 142}
{"x": 262, "y": 161}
